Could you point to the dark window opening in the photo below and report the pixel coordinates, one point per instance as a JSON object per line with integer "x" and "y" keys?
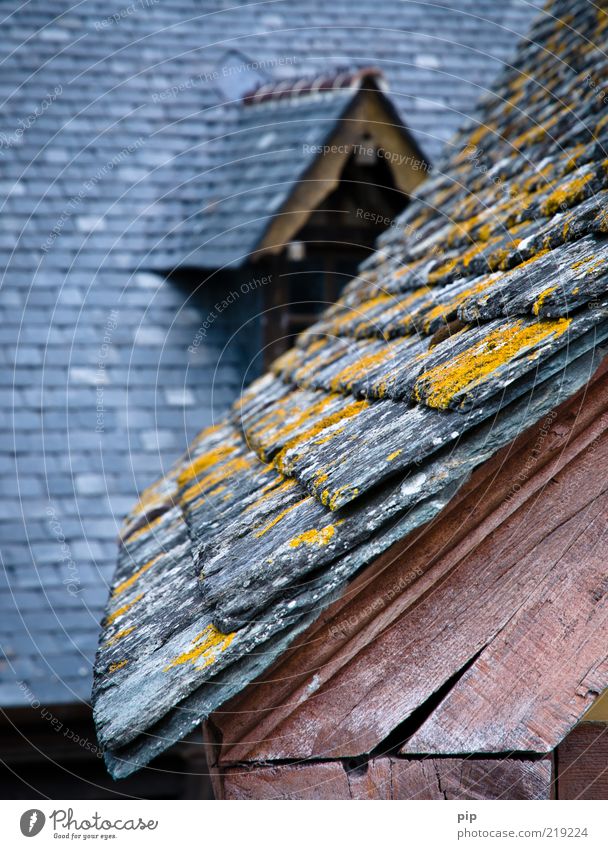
{"x": 325, "y": 254}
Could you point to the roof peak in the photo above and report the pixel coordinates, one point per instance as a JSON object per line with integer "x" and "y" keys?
{"x": 340, "y": 80}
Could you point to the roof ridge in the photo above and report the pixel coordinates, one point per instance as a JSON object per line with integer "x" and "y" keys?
{"x": 340, "y": 80}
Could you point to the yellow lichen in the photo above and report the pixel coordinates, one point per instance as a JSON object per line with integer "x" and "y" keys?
{"x": 214, "y": 477}
{"x": 445, "y": 268}
{"x": 113, "y": 616}
{"x": 334, "y": 501}
{"x": 363, "y": 366}
{"x": 206, "y": 432}
{"x": 206, "y": 647}
{"x": 498, "y": 259}
{"x": 285, "y": 362}
{"x": 113, "y": 667}
{"x": 538, "y": 303}
{"x": 204, "y": 462}
{"x": 484, "y": 232}
{"x": 534, "y": 134}
{"x": 124, "y": 633}
{"x": 130, "y": 581}
{"x": 601, "y": 124}
{"x": 408, "y": 267}
{"x": 449, "y": 307}
{"x": 299, "y": 416}
{"x": 579, "y": 264}
{"x": 315, "y": 430}
{"x": 278, "y": 518}
{"x": 532, "y": 259}
{"x": 394, "y": 454}
{"x": 314, "y": 537}
{"x": 143, "y": 530}
{"x": 482, "y": 226}
{"x": 310, "y": 367}
{"x": 573, "y": 156}
{"x": 440, "y": 384}
{"x": 279, "y": 486}
{"x": 601, "y": 221}
{"x": 149, "y": 499}
{"x": 566, "y": 196}
{"x": 537, "y": 179}
{"x": 600, "y": 263}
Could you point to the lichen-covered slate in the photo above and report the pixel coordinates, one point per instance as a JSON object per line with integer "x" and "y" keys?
{"x": 480, "y": 311}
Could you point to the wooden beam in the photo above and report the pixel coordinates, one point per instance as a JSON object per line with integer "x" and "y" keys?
{"x": 393, "y": 778}
{"x": 598, "y": 712}
{"x": 543, "y": 670}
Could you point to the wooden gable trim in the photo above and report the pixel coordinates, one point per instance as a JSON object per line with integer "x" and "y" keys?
{"x": 369, "y": 113}
{"x": 274, "y": 717}
{"x": 542, "y": 671}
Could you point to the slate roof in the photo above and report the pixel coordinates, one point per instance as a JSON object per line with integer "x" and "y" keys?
{"x": 123, "y": 118}
{"x": 475, "y": 317}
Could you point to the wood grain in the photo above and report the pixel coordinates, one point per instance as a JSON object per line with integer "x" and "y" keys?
{"x": 546, "y": 667}
{"x": 393, "y": 778}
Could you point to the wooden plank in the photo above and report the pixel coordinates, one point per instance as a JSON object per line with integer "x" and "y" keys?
{"x": 211, "y": 747}
{"x": 582, "y": 763}
{"x": 393, "y": 778}
{"x": 307, "y": 781}
{"x": 471, "y": 778}
{"x": 354, "y": 620}
{"x": 547, "y": 666}
{"x": 432, "y": 641}
{"x": 373, "y": 781}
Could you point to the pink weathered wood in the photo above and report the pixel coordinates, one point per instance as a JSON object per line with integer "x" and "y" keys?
{"x": 307, "y": 781}
{"x": 392, "y": 778}
{"x": 471, "y": 778}
{"x": 548, "y": 664}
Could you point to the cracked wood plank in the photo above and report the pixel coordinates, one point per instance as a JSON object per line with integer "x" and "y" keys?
{"x": 545, "y": 668}
{"x": 471, "y": 778}
{"x": 392, "y": 778}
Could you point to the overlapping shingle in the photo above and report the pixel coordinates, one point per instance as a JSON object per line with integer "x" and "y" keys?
{"x": 482, "y": 310}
